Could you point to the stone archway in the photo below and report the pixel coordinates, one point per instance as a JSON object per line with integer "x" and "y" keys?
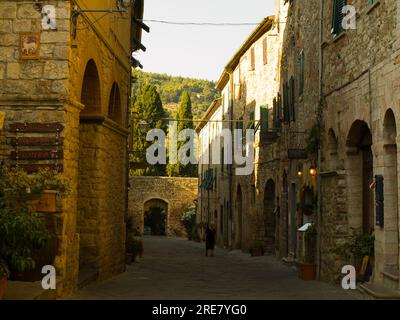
{"x": 101, "y": 185}
{"x": 88, "y": 204}
{"x": 269, "y": 217}
{"x": 174, "y": 195}
{"x": 390, "y": 174}
{"x": 239, "y": 219}
{"x": 359, "y": 169}
{"x": 114, "y": 105}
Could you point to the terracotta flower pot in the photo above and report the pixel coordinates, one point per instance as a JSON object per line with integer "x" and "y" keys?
{"x": 3, "y": 285}
{"x": 47, "y": 202}
{"x": 307, "y": 271}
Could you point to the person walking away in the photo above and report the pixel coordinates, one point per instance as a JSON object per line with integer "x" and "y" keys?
{"x": 210, "y": 240}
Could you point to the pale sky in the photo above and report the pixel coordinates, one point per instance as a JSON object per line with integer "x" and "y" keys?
{"x": 197, "y": 51}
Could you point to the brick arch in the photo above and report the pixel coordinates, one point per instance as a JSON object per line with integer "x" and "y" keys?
{"x": 178, "y": 193}
{"x": 91, "y": 89}
{"x": 114, "y": 104}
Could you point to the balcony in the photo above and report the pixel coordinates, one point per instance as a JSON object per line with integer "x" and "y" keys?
{"x": 296, "y": 144}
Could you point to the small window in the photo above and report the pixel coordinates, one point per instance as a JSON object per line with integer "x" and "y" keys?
{"x": 337, "y": 17}
{"x": 252, "y": 60}
{"x": 265, "y": 51}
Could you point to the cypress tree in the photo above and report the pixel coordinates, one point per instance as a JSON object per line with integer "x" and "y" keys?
{"x": 147, "y": 106}
{"x": 185, "y": 121}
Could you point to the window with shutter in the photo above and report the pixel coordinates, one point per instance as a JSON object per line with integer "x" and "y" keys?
{"x": 292, "y": 99}
{"x": 252, "y": 60}
{"x": 286, "y": 116}
{"x": 279, "y": 106}
{"x": 337, "y": 17}
{"x": 265, "y": 51}
{"x": 301, "y": 73}
{"x": 264, "y": 112}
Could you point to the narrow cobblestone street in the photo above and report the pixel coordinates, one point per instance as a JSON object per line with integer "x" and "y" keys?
{"x": 177, "y": 269}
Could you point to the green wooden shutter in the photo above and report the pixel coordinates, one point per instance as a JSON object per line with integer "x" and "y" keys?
{"x": 337, "y": 17}
{"x": 264, "y": 112}
{"x": 292, "y": 99}
{"x": 301, "y": 73}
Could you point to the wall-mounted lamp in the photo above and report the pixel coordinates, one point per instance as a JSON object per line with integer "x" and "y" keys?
{"x": 313, "y": 171}
{"x": 299, "y": 170}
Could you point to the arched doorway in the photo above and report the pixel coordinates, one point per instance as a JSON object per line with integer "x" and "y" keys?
{"x": 114, "y": 105}
{"x": 156, "y": 217}
{"x": 239, "y": 218}
{"x": 269, "y": 217}
{"x": 391, "y": 225}
{"x": 360, "y": 176}
{"x": 88, "y": 197}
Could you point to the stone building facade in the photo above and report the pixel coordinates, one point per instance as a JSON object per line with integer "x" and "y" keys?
{"x": 75, "y": 91}
{"x": 241, "y": 206}
{"x": 359, "y": 178}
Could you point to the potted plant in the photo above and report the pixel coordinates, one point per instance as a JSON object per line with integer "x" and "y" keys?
{"x": 307, "y": 268}
{"x": 23, "y": 230}
{"x": 189, "y": 220}
{"x": 358, "y": 248}
{"x": 4, "y": 274}
{"x": 48, "y": 184}
{"x": 257, "y": 249}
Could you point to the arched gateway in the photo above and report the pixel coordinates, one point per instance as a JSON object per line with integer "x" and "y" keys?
{"x": 159, "y": 202}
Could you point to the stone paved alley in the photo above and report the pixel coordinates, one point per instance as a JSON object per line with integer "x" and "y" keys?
{"x": 177, "y": 269}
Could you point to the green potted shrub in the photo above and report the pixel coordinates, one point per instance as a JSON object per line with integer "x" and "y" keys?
{"x": 307, "y": 267}
{"x": 23, "y": 230}
{"x": 358, "y": 247}
{"x": 189, "y": 220}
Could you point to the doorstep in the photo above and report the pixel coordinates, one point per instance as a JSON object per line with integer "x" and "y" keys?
{"x": 379, "y": 292}
{"x": 18, "y": 290}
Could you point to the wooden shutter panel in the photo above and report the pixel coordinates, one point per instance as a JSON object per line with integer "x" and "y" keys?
{"x": 286, "y": 116}
{"x": 337, "y": 16}
{"x": 292, "y": 99}
{"x": 379, "y": 201}
{"x": 301, "y": 73}
{"x": 265, "y": 51}
{"x": 264, "y": 117}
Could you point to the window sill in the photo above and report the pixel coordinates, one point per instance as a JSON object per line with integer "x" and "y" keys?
{"x": 339, "y": 36}
{"x": 373, "y": 6}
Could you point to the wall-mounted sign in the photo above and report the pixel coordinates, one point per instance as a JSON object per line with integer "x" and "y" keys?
{"x": 49, "y": 21}
{"x": 29, "y": 45}
{"x": 2, "y": 117}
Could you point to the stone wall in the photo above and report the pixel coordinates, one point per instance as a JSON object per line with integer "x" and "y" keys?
{"x": 178, "y": 193}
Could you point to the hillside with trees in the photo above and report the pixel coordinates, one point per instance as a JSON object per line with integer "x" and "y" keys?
{"x": 170, "y": 88}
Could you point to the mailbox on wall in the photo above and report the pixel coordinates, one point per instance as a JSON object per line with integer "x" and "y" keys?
{"x": 379, "y": 201}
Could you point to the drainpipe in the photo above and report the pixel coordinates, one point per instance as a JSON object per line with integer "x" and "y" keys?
{"x": 318, "y": 254}
{"x": 231, "y": 101}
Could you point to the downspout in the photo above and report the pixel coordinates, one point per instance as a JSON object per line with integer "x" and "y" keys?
{"x": 127, "y": 125}
{"x": 231, "y": 101}
{"x": 319, "y": 118}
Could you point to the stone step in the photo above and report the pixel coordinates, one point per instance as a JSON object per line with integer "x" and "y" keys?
{"x": 379, "y": 292}
{"x": 391, "y": 277}
{"x": 86, "y": 277}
